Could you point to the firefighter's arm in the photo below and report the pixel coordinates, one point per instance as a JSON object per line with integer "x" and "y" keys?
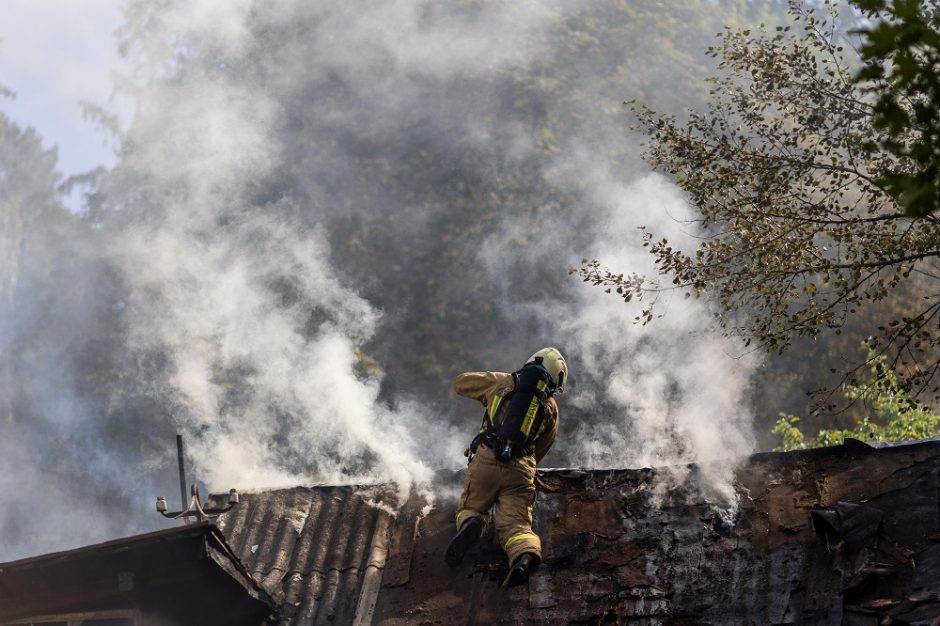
{"x": 544, "y": 442}
{"x": 480, "y": 386}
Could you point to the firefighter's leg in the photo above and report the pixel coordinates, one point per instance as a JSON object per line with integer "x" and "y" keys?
{"x": 513, "y": 512}
{"x": 479, "y": 488}
{"x": 479, "y": 492}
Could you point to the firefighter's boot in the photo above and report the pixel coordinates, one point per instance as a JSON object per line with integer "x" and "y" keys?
{"x": 458, "y": 547}
{"x": 520, "y": 570}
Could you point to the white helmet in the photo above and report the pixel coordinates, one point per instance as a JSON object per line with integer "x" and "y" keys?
{"x": 554, "y": 364}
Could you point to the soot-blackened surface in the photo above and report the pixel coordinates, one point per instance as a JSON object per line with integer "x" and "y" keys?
{"x": 611, "y": 556}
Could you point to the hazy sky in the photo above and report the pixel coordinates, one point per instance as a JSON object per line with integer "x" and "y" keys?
{"x": 54, "y": 54}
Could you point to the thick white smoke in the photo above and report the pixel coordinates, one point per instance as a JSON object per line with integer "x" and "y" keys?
{"x": 677, "y": 389}
{"x": 262, "y": 332}
{"x": 669, "y": 393}
{"x": 262, "y": 335}
{"x": 268, "y": 136}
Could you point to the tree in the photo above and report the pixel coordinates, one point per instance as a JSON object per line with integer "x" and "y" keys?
{"x": 891, "y": 414}
{"x": 901, "y": 55}
{"x": 799, "y": 236}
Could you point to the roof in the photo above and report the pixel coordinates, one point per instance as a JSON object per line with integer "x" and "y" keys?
{"x": 179, "y": 532}
{"x": 870, "y": 551}
{"x": 182, "y": 562}
{"x": 319, "y": 551}
{"x": 848, "y": 534}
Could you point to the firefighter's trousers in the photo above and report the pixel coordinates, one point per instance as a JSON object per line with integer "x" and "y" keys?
{"x": 509, "y": 488}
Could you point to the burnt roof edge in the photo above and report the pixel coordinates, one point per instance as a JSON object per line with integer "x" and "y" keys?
{"x": 221, "y": 553}
{"x": 850, "y": 446}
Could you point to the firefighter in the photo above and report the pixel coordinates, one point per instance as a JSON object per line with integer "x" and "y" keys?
{"x": 520, "y": 422}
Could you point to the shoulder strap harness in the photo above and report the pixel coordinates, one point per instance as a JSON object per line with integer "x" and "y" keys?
{"x": 514, "y": 419}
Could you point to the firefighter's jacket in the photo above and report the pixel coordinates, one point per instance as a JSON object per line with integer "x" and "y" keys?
{"x": 482, "y": 386}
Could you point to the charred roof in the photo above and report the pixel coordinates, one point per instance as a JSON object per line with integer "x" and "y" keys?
{"x": 842, "y": 535}
{"x": 847, "y": 534}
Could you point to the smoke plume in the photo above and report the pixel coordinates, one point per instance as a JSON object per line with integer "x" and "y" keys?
{"x": 321, "y": 213}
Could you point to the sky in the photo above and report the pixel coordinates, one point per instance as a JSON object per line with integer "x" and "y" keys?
{"x": 55, "y": 54}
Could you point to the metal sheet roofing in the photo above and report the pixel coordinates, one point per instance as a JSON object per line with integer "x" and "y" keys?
{"x": 319, "y": 551}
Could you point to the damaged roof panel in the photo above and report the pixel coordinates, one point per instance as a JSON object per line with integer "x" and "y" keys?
{"x": 844, "y": 535}
{"x": 317, "y": 550}
{"x": 610, "y": 556}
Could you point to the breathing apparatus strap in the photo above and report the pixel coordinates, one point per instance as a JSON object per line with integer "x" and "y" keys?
{"x": 487, "y": 427}
{"x": 535, "y": 413}
{"x": 529, "y": 429}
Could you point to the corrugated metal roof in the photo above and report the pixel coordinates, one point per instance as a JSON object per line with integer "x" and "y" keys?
{"x": 319, "y": 551}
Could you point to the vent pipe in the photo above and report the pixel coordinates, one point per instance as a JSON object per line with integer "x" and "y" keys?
{"x": 184, "y": 501}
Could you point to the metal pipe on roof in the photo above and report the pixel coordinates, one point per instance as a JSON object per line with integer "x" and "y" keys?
{"x": 184, "y": 502}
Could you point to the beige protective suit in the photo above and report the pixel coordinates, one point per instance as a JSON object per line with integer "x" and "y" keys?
{"x": 508, "y": 488}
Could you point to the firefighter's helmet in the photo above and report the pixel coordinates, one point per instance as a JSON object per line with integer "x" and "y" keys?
{"x": 554, "y": 364}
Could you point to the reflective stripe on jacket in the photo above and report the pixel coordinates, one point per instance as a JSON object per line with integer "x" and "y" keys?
{"x": 483, "y": 386}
